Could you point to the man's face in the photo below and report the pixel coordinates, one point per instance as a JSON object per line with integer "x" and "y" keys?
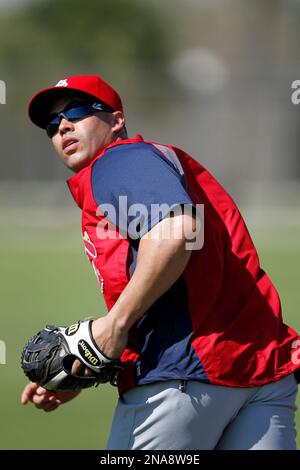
{"x": 77, "y": 143}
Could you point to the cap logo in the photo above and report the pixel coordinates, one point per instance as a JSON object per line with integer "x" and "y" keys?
{"x": 62, "y": 83}
{"x": 97, "y": 106}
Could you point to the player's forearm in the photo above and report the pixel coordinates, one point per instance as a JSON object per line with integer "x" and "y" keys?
{"x": 160, "y": 263}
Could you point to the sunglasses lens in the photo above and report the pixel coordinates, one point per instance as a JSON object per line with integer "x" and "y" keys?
{"x": 71, "y": 114}
{"x": 52, "y": 129}
{"x": 74, "y": 113}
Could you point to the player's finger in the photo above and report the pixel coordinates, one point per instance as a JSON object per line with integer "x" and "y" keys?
{"x": 46, "y": 394}
{"x": 77, "y": 367}
{"x": 28, "y": 391}
{"x": 87, "y": 372}
{"x": 41, "y": 391}
{"x": 39, "y": 401}
{"x": 51, "y": 405}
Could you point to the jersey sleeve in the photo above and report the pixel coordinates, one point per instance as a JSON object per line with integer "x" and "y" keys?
{"x": 137, "y": 187}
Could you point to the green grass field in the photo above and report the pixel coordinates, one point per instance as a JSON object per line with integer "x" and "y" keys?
{"x": 46, "y": 278}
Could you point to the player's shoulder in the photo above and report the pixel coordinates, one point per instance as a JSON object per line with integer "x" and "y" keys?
{"x": 129, "y": 149}
{"x": 135, "y": 155}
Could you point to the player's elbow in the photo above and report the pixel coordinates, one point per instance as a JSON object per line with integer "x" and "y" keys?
{"x": 175, "y": 230}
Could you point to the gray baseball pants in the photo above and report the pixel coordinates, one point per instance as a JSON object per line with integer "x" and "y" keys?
{"x": 192, "y": 415}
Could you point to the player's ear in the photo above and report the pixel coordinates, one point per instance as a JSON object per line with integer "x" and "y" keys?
{"x": 118, "y": 121}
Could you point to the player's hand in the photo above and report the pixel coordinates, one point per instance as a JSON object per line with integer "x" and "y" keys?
{"x": 44, "y": 399}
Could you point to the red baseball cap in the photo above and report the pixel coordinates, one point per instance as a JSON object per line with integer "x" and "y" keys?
{"x": 91, "y": 85}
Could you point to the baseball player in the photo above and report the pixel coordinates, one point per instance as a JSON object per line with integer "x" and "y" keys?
{"x": 194, "y": 336}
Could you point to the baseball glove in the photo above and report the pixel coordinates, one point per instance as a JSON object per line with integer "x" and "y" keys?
{"x": 48, "y": 356}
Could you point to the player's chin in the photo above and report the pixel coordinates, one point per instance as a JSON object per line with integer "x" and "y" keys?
{"x": 76, "y": 161}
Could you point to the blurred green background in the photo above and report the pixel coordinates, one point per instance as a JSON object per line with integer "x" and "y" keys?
{"x": 211, "y": 76}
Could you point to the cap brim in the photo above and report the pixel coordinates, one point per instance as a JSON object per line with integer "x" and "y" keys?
{"x": 40, "y": 104}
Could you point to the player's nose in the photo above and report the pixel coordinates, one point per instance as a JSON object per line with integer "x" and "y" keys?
{"x": 65, "y": 126}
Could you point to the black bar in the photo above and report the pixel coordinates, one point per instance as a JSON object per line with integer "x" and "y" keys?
{"x": 135, "y": 459}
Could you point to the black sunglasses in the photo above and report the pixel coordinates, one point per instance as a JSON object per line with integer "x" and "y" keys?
{"x": 72, "y": 113}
